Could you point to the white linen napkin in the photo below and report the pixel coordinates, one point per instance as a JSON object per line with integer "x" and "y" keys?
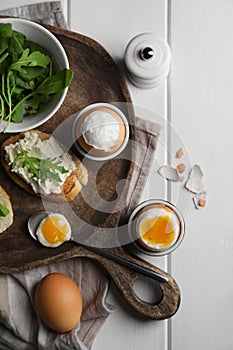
{"x": 21, "y": 328}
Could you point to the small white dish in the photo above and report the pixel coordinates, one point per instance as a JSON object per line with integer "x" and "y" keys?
{"x": 103, "y": 156}
{"x": 40, "y": 35}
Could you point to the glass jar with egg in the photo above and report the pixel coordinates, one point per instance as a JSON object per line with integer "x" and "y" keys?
{"x": 156, "y": 227}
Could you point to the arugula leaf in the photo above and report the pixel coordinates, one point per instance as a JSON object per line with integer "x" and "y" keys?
{"x": 17, "y": 114}
{"x": 16, "y": 43}
{"x": 34, "y": 59}
{"x": 33, "y": 104}
{"x": 21, "y": 83}
{"x": 16, "y": 94}
{"x": 50, "y": 169}
{"x": 4, "y": 211}
{"x": 32, "y": 73}
{"x": 5, "y": 34}
{"x": 34, "y": 47}
{"x": 5, "y": 63}
{"x": 19, "y": 36}
{"x": 3, "y": 57}
{"x": 42, "y": 169}
{"x": 55, "y": 83}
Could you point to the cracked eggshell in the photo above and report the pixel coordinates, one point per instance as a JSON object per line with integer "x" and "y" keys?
{"x": 200, "y": 200}
{"x": 169, "y": 173}
{"x": 179, "y": 153}
{"x": 194, "y": 183}
{"x": 181, "y": 168}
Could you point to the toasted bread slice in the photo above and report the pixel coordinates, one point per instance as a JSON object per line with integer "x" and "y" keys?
{"x": 73, "y": 183}
{"x": 5, "y": 221}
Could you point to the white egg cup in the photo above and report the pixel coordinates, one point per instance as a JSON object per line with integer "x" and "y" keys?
{"x": 85, "y": 111}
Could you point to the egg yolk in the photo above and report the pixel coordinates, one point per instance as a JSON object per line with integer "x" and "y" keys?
{"x": 158, "y": 230}
{"x": 54, "y": 229}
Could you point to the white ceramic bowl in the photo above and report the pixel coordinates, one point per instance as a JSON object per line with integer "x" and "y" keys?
{"x": 86, "y": 111}
{"x": 43, "y": 37}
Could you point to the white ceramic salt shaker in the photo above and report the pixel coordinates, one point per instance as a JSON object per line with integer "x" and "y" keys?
{"x": 147, "y": 59}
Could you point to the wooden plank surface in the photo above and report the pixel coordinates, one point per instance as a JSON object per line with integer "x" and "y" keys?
{"x": 202, "y": 109}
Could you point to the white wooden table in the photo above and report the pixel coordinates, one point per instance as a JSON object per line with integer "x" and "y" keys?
{"x": 198, "y": 102}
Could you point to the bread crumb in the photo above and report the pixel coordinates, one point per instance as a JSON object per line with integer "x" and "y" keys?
{"x": 179, "y": 153}
{"x": 181, "y": 167}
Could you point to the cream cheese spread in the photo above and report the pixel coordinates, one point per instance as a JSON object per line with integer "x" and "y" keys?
{"x": 41, "y": 149}
{"x": 100, "y": 130}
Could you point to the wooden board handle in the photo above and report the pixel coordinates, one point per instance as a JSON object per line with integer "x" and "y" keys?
{"x": 124, "y": 278}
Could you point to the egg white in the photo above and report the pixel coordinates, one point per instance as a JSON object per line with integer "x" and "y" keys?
{"x": 41, "y": 237}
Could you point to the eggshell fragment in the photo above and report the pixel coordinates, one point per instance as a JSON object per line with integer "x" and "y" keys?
{"x": 200, "y": 200}
{"x": 169, "y": 173}
{"x": 181, "y": 168}
{"x": 194, "y": 183}
{"x": 179, "y": 153}
{"x": 59, "y": 302}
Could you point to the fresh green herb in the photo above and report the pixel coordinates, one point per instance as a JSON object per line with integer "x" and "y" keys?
{"x": 28, "y": 78}
{"x": 41, "y": 169}
{"x": 3, "y": 210}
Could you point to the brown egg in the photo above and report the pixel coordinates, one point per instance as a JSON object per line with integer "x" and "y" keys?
{"x": 59, "y": 302}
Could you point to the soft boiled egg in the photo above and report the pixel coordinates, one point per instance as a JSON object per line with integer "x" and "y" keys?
{"x": 158, "y": 227}
{"x": 53, "y": 230}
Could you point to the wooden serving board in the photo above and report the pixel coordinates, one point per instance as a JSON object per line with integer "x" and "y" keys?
{"x": 96, "y": 79}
